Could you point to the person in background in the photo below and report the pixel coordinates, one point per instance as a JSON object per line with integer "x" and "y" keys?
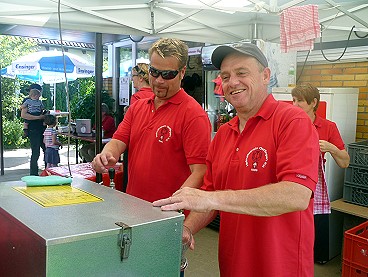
{"x": 88, "y": 151}
{"x": 51, "y": 141}
{"x": 36, "y": 128}
{"x": 261, "y": 174}
{"x": 307, "y": 97}
{"x": 33, "y": 104}
{"x": 167, "y": 134}
{"x": 140, "y": 82}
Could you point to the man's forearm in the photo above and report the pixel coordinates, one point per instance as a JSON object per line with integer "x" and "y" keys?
{"x": 28, "y": 116}
{"x": 115, "y": 147}
{"x": 195, "y": 179}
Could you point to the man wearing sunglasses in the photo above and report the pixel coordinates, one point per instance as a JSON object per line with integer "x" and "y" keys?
{"x": 167, "y": 135}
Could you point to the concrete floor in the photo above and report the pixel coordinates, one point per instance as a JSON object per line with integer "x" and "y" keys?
{"x": 202, "y": 261}
{"x": 16, "y": 162}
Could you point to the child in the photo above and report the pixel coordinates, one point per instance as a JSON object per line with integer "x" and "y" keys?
{"x": 52, "y": 144}
{"x": 34, "y": 106}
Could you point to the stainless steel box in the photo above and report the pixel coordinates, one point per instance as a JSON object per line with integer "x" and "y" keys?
{"x": 84, "y": 239}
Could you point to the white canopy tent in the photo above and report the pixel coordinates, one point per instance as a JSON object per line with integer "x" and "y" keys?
{"x": 208, "y": 21}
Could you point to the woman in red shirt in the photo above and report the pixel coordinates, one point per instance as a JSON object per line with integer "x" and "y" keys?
{"x": 307, "y": 97}
{"x": 140, "y": 82}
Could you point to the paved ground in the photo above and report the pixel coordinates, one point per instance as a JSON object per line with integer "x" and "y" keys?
{"x": 16, "y": 162}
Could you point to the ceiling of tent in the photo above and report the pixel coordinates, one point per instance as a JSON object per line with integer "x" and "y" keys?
{"x": 207, "y": 21}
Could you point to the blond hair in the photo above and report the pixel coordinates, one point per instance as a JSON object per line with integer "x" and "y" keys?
{"x": 34, "y": 92}
{"x": 171, "y": 47}
{"x": 142, "y": 70}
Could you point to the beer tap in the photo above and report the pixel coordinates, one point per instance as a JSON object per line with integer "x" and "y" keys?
{"x": 112, "y": 176}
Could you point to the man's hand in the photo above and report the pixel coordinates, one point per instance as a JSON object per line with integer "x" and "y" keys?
{"x": 188, "y": 199}
{"x": 102, "y": 160}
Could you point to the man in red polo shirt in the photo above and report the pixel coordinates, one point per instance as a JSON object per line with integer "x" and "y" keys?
{"x": 167, "y": 135}
{"x": 262, "y": 169}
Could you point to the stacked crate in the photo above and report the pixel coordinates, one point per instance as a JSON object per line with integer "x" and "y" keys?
{"x": 355, "y": 261}
{"x": 356, "y": 175}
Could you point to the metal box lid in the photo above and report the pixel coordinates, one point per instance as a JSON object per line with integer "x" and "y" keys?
{"x": 58, "y": 224}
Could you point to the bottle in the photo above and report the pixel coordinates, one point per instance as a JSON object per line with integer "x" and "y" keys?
{"x": 291, "y": 76}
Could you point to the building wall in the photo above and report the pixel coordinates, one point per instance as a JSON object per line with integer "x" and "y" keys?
{"x": 349, "y": 74}
{"x": 107, "y": 85}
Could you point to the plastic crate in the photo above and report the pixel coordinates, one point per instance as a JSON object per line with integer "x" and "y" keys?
{"x": 356, "y": 195}
{"x": 356, "y": 185}
{"x": 356, "y": 248}
{"x": 357, "y": 176}
{"x": 349, "y": 270}
{"x": 358, "y": 152}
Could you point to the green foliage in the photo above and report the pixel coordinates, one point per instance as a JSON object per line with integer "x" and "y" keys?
{"x": 15, "y": 47}
{"x": 13, "y": 130}
{"x": 83, "y": 102}
{"x": 81, "y": 92}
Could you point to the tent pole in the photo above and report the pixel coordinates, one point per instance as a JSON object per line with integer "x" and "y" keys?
{"x": 98, "y": 116}
{"x": 54, "y": 95}
{"x": 1, "y": 129}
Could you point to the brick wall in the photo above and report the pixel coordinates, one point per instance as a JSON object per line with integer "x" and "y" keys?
{"x": 107, "y": 85}
{"x": 352, "y": 74}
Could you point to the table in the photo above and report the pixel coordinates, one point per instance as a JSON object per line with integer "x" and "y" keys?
{"x": 349, "y": 208}
{"x": 76, "y": 138}
{"x": 85, "y": 171}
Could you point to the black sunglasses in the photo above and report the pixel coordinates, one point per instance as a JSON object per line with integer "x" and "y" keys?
{"x": 165, "y": 74}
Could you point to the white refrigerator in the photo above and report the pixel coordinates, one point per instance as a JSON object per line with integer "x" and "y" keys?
{"x": 340, "y": 106}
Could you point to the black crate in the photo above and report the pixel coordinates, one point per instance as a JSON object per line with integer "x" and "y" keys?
{"x": 358, "y": 152}
{"x": 356, "y": 195}
{"x": 215, "y": 224}
{"x": 357, "y": 176}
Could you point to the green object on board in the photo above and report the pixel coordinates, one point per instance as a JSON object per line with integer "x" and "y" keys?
{"x": 36, "y": 181}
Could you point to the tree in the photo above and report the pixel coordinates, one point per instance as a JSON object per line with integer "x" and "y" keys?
{"x": 83, "y": 99}
{"x": 11, "y": 49}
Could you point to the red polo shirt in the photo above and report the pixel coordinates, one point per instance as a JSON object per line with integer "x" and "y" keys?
{"x": 278, "y": 144}
{"x": 143, "y": 93}
{"x": 108, "y": 125}
{"x": 163, "y": 143}
{"x": 327, "y": 130}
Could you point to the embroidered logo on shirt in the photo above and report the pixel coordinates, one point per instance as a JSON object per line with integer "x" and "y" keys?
{"x": 301, "y": 176}
{"x": 256, "y": 158}
{"x": 163, "y": 133}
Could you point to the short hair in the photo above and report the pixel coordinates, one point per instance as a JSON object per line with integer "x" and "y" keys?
{"x": 142, "y": 70}
{"x": 171, "y": 47}
{"x": 307, "y": 92}
{"x": 104, "y": 108}
{"x": 34, "y": 92}
{"x": 35, "y": 86}
{"x": 50, "y": 119}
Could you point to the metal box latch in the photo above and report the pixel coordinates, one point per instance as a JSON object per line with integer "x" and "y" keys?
{"x": 124, "y": 240}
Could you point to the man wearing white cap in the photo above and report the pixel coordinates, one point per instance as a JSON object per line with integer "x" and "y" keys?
{"x": 261, "y": 174}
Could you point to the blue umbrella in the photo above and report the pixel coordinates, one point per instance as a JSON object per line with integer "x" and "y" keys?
{"x": 48, "y": 67}
{"x": 8, "y": 73}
